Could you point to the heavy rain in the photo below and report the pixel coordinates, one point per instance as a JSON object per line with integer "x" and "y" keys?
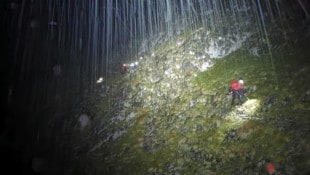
{"x": 155, "y": 87}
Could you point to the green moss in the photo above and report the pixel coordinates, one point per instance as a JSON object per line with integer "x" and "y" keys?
{"x": 267, "y": 137}
{"x": 127, "y": 154}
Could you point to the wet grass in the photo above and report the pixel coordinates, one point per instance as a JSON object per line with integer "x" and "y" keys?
{"x": 127, "y": 155}
{"x": 287, "y": 83}
{"x": 280, "y": 126}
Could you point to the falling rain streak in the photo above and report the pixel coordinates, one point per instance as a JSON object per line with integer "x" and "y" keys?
{"x": 105, "y": 33}
{"x": 82, "y": 40}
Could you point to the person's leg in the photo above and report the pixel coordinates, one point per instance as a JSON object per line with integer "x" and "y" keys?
{"x": 233, "y": 98}
{"x": 240, "y": 96}
{"x": 240, "y": 99}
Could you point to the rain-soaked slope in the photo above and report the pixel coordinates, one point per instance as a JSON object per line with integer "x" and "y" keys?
{"x": 162, "y": 121}
{"x": 170, "y": 116}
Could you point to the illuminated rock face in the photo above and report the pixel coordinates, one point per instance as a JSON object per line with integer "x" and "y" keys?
{"x": 245, "y": 111}
{"x": 165, "y": 75}
{"x": 163, "y": 84}
{"x": 162, "y": 110}
{"x": 194, "y": 122}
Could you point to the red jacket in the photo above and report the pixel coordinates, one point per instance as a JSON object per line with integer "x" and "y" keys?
{"x": 124, "y": 68}
{"x": 271, "y": 168}
{"x": 235, "y": 85}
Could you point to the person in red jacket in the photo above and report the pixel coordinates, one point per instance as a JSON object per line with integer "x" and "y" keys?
{"x": 271, "y": 169}
{"x": 124, "y": 68}
{"x": 237, "y": 90}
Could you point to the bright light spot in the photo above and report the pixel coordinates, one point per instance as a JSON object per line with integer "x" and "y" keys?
{"x": 132, "y": 64}
{"x": 217, "y": 50}
{"x": 179, "y": 43}
{"x": 136, "y": 63}
{"x": 241, "y": 81}
{"x": 141, "y": 58}
{"x": 204, "y": 66}
{"x": 99, "y": 80}
{"x": 243, "y": 112}
{"x": 251, "y": 106}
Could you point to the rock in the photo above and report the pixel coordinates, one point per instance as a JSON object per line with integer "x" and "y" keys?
{"x": 192, "y": 103}
{"x": 131, "y": 116}
{"x": 117, "y": 134}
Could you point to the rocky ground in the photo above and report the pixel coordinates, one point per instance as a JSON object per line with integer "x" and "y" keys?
{"x": 172, "y": 115}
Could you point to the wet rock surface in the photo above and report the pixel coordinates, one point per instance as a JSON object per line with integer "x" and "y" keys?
{"x": 164, "y": 120}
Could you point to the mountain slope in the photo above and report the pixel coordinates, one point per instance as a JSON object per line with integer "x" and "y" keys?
{"x": 172, "y": 115}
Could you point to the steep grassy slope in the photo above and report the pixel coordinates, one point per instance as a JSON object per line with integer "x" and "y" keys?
{"x": 168, "y": 117}
{"x": 212, "y": 137}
